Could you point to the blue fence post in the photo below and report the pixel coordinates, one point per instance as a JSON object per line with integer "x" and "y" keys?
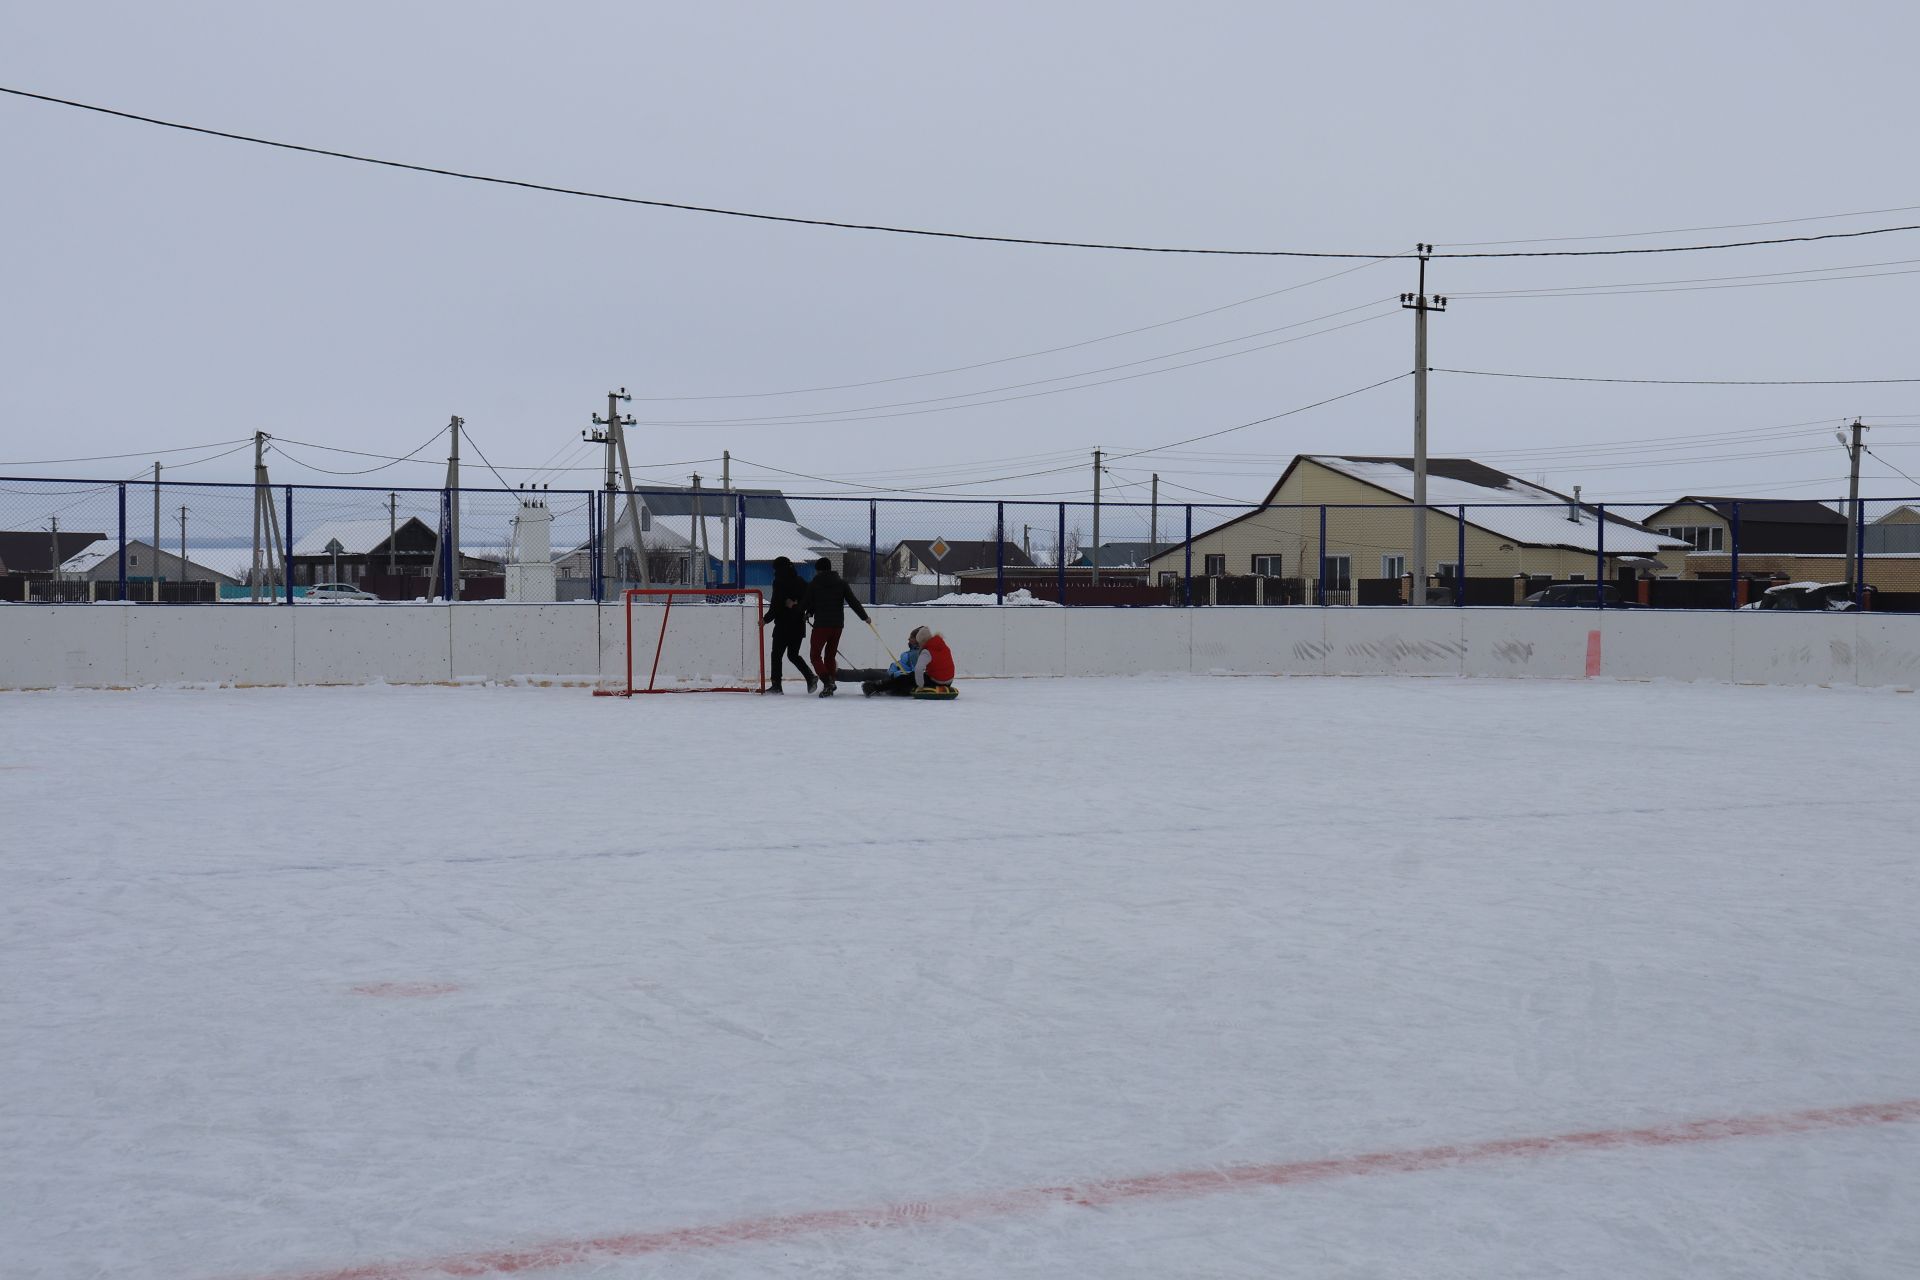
{"x": 1733, "y": 559}
{"x": 873, "y": 551}
{"x": 1000, "y": 553}
{"x": 123, "y": 545}
{"x": 1060, "y": 555}
{"x": 592, "y": 544}
{"x": 286, "y": 549}
{"x": 1186, "y": 578}
{"x": 1460, "y": 566}
{"x": 1323, "y": 556}
{"x": 1600, "y": 556}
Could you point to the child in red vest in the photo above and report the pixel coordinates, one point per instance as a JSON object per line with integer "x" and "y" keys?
{"x": 927, "y": 662}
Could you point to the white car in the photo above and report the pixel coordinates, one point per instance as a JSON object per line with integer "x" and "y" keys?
{"x": 323, "y": 592}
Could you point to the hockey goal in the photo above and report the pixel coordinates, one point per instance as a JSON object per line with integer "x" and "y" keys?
{"x": 692, "y": 640}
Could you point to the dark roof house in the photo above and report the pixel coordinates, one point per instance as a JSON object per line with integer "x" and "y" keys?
{"x": 917, "y": 555}
{"x": 1767, "y": 525}
{"x": 32, "y": 550}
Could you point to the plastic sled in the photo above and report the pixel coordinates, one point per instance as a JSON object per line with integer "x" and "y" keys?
{"x": 936, "y": 693}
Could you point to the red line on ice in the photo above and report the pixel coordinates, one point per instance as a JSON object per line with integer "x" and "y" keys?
{"x": 1153, "y": 1186}
{"x": 1593, "y": 653}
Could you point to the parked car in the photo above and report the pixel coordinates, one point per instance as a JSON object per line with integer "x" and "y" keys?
{"x": 1817, "y": 597}
{"x": 1579, "y": 595}
{"x": 324, "y": 592}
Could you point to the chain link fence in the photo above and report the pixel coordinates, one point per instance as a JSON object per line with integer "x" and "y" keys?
{"x": 88, "y": 540}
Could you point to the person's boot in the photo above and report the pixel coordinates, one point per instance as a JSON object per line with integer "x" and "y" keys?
{"x": 826, "y": 687}
{"x": 812, "y": 683}
{"x": 868, "y": 688}
{"x": 775, "y": 688}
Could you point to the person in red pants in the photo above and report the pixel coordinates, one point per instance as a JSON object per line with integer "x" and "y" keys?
{"x": 828, "y": 599}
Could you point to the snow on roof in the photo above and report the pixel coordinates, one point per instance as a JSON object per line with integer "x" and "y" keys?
{"x": 1547, "y": 527}
{"x": 90, "y": 556}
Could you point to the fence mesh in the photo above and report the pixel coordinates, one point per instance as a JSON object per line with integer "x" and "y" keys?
{"x": 71, "y": 540}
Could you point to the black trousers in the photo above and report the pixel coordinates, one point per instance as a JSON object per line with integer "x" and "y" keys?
{"x": 892, "y": 685}
{"x": 786, "y": 644}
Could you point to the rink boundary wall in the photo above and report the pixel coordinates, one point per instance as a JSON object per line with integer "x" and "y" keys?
{"x": 118, "y": 646}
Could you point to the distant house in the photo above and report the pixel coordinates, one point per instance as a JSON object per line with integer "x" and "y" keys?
{"x": 941, "y": 556}
{"x": 1509, "y": 527}
{"x": 1896, "y": 532}
{"x": 672, "y": 522}
{"x": 352, "y": 550}
{"x": 100, "y": 562}
{"x": 1768, "y": 526}
{"x": 1124, "y": 555}
{"x": 38, "y": 552}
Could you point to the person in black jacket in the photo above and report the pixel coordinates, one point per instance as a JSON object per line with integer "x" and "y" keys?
{"x": 828, "y": 597}
{"x": 786, "y": 610}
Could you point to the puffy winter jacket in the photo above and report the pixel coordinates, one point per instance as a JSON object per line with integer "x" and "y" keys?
{"x": 828, "y": 599}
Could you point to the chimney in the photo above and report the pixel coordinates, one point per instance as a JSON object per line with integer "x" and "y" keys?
{"x": 1573, "y": 508}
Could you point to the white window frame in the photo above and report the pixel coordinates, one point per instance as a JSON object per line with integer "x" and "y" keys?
{"x": 1448, "y": 569}
{"x": 1337, "y": 579}
{"x": 1393, "y": 565}
{"x": 1209, "y": 562}
{"x": 1268, "y": 564}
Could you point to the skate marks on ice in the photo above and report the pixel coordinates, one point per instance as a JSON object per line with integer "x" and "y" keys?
{"x": 1102, "y": 1193}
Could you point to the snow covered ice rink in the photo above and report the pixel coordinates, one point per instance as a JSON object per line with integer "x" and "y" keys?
{"x": 1104, "y": 978}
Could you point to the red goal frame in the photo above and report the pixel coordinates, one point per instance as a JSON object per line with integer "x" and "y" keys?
{"x": 759, "y": 632}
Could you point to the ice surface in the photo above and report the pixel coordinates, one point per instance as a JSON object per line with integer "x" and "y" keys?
{"x": 295, "y": 981}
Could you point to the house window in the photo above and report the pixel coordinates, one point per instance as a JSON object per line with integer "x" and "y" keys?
{"x": 1447, "y": 570}
{"x": 1701, "y": 537}
{"x": 1393, "y": 566}
{"x": 1338, "y": 571}
{"x": 1216, "y": 566}
{"x": 1266, "y": 566}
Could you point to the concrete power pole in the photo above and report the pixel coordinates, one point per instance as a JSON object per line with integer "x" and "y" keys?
{"x": 1153, "y": 522}
{"x": 727, "y": 512}
{"x": 1420, "y": 304}
{"x": 1853, "y": 508}
{"x": 156, "y": 533}
{"x": 183, "y": 543}
{"x": 53, "y": 550}
{"x": 453, "y": 501}
{"x": 393, "y": 528}
{"x": 615, "y": 439}
{"x": 1094, "y": 559}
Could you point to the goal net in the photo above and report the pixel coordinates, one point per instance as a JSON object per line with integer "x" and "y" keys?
{"x": 690, "y": 640}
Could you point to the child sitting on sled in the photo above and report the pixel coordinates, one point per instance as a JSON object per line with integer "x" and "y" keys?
{"x": 926, "y": 663}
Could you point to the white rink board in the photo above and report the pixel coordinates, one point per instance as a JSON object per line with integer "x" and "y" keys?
{"x": 45, "y": 646}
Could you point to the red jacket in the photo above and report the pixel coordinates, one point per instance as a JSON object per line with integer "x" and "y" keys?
{"x": 939, "y": 661}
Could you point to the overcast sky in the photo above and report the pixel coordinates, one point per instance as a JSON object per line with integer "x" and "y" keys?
{"x": 164, "y": 289}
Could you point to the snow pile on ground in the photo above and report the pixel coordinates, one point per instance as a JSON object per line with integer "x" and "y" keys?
{"x": 1128, "y": 978}
{"x": 1020, "y": 597}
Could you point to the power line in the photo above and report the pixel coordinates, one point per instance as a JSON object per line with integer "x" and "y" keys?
{"x": 115, "y": 457}
{"x": 1639, "y": 286}
{"x": 1029, "y": 355}
{"x": 839, "y": 415}
{"x": 1888, "y": 465}
{"x": 1688, "y": 382}
{"x": 366, "y": 471}
{"x": 483, "y": 457}
{"x": 913, "y": 231}
{"x": 1680, "y": 231}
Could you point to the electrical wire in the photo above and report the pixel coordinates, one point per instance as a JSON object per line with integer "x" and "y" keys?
{"x": 390, "y": 459}
{"x": 909, "y": 231}
{"x": 483, "y": 457}
{"x": 1601, "y": 291}
{"x": 1768, "y": 276}
{"x": 1681, "y": 231}
{"x": 1687, "y": 382}
{"x": 115, "y": 457}
{"x": 835, "y": 415}
{"x": 1031, "y": 355}
{"x": 1888, "y": 465}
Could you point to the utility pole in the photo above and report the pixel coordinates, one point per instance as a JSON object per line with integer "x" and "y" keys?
{"x": 183, "y": 544}
{"x": 615, "y": 439}
{"x": 1095, "y": 559}
{"x": 726, "y": 521}
{"x": 1853, "y": 507}
{"x": 53, "y": 550}
{"x": 393, "y": 528}
{"x": 266, "y": 527}
{"x": 1026, "y": 541}
{"x": 696, "y": 529}
{"x": 453, "y": 501}
{"x": 1420, "y": 304}
{"x": 1153, "y": 523}
{"x": 156, "y": 533}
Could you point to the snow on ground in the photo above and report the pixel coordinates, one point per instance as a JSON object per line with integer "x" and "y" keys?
{"x": 406, "y": 982}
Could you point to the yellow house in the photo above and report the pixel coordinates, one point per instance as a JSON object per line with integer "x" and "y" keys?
{"x": 1508, "y": 526}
